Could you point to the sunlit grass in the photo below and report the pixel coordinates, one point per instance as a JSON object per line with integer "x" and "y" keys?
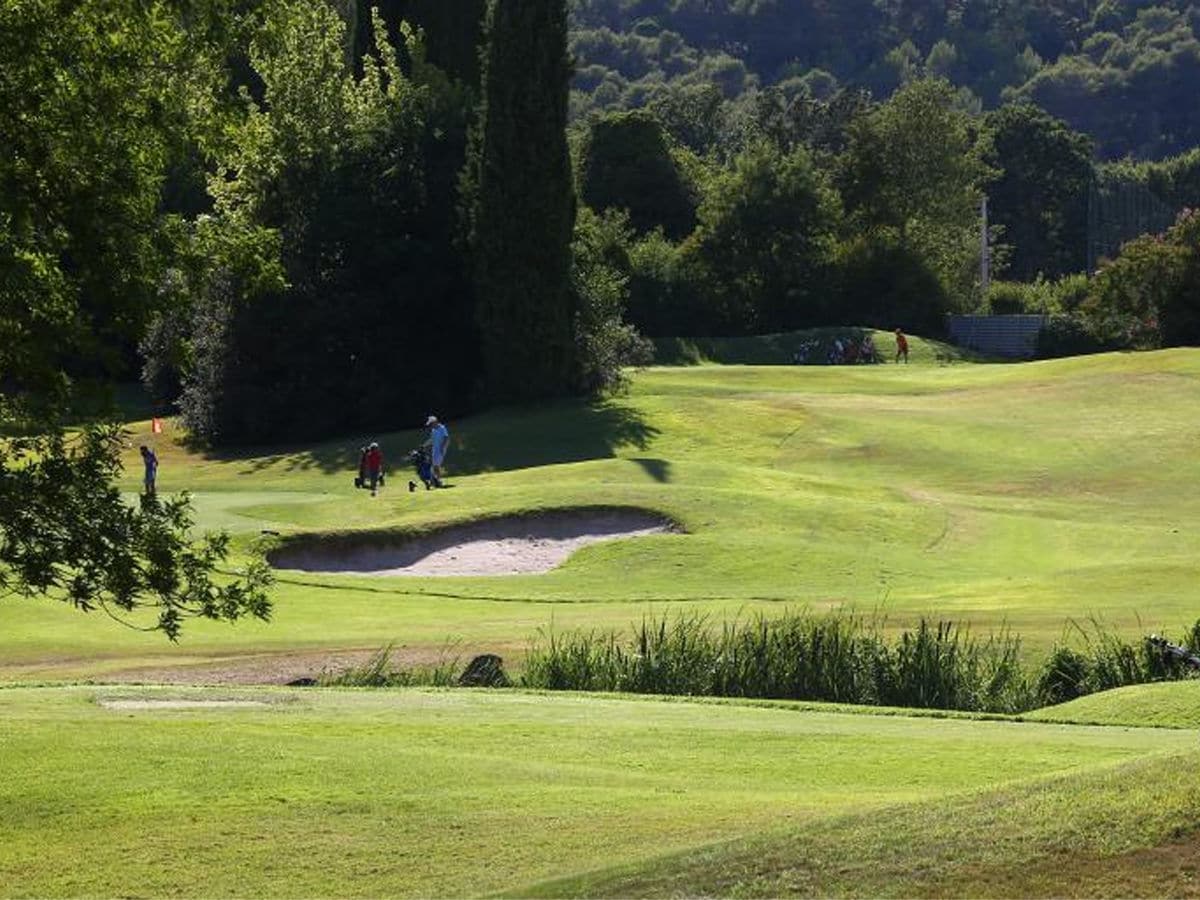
{"x": 426, "y": 793}
{"x": 1020, "y": 495}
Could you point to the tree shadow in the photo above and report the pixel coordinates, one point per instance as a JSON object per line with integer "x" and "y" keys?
{"x": 552, "y": 434}
{"x": 812, "y": 347}
{"x": 495, "y": 441}
{"x": 658, "y": 469}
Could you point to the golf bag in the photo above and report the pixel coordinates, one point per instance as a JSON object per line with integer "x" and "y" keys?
{"x": 423, "y": 465}
{"x": 360, "y": 479}
{"x": 1174, "y": 651}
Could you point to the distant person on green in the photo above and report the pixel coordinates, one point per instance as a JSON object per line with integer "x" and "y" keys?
{"x": 150, "y": 463}
{"x": 901, "y": 346}
{"x": 439, "y": 443}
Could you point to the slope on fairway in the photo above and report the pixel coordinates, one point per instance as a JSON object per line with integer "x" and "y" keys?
{"x": 1018, "y": 495}
{"x": 1124, "y": 831}
{"x": 449, "y": 793}
{"x": 1164, "y": 705}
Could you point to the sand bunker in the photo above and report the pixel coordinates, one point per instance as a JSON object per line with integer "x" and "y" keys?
{"x": 522, "y": 545}
{"x": 182, "y": 704}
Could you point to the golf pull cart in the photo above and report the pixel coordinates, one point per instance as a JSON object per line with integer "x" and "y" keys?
{"x": 1174, "y": 651}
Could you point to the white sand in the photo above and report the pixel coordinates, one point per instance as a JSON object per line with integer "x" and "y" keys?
{"x": 510, "y": 546}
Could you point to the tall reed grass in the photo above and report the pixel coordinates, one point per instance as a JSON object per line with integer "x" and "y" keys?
{"x": 838, "y": 657}
{"x": 1106, "y": 661}
{"x": 381, "y": 671}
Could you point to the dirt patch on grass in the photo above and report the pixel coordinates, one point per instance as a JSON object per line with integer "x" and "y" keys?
{"x": 124, "y": 703}
{"x": 1168, "y": 870}
{"x": 510, "y": 545}
{"x": 282, "y": 668}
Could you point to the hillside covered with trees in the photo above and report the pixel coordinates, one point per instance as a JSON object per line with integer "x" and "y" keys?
{"x": 1124, "y": 72}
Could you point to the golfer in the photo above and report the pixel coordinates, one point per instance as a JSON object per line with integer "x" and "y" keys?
{"x": 150, "y": 462}
{"x": 374, "y": 466}
{"x": 901, "y": 346}
{"x": 439, "y": 443}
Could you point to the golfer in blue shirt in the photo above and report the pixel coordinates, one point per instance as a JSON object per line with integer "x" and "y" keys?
{"x": 439, "y": 443}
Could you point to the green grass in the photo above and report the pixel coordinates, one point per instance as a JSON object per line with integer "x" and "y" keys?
{"x": 1019, "y": 495}
{"x": 1023, "y": 496}
{"x": 1094, "y": 833}
{"x": 402, "y": 793}
{"x": 1175, "y": 705}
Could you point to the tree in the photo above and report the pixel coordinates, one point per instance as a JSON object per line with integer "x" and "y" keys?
{"x": 80, "y": 231}
{"x": 1150, "y": 294}
{"x": 90, "y": 95}
{"x": 373, "y": 324}
{"x": 522, "y": 203}
{"x": 68, "y": 534}
{"x": 606, "y": 344}
{"x": 691, "y": 114}
{"x": 1039, "y": 192}
{"x": 626, "y": 164}
{"x": 912, "y": 168}
{"x": 766, "y": 239}
{"x": 452, "y": 32}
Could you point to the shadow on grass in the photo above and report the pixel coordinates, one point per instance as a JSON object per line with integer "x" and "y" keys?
{"x": 553, "y": 434}
{"x": 496, "y": 441}
{"x": 658, "y": 469}
{"x": 813, "y": 347}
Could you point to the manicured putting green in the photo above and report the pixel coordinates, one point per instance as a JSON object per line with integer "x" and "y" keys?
{"x": 108, "y": 792}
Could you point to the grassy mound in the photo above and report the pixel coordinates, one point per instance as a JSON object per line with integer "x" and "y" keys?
{"x": 1175, "y": 705}
{"x": 1106, "y": 832}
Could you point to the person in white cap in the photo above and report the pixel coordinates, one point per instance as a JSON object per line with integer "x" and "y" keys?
{"x": 439, "y": 443}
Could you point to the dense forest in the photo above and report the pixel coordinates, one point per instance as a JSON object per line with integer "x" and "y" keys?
{"x": 1124, "y": 72}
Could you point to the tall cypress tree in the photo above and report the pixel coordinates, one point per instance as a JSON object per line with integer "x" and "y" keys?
{"x": 521, "y": 202}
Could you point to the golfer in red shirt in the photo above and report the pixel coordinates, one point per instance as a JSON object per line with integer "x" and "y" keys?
{"x": 374, "y": 466}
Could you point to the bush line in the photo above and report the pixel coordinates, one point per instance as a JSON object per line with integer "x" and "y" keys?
{"x": 841, "y": 658}
{"x": 836, "y": 657}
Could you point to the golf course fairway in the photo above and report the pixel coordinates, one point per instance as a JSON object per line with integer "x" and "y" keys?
{"x": 123, "y": 791}
{"x": 1024, "y": 496}
{"x": 1038, "y": 498}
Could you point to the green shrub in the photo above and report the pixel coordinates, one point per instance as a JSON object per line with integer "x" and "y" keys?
{"x": 1065, "y": 335}
{"x": 1066, "y": 295}
{"x": 1064, "y": 677}
{"x": 796, "y": 656}
{"x": 1006, "y": 298}
{"x": 841, "y": 658}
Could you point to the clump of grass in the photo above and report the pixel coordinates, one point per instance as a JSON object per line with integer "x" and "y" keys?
{"x": 380, "y": 672}
{"x": 1108, "y": 661}
{"x": 837, "y": 658}
{"x": 840, "y": 658}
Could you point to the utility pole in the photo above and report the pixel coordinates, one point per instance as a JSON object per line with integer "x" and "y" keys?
{"x": 985, "y": 251}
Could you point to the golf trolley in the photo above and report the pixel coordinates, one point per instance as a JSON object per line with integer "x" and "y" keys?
{"x": 422, "y": 462}
{"x": 1174, "y": 651}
